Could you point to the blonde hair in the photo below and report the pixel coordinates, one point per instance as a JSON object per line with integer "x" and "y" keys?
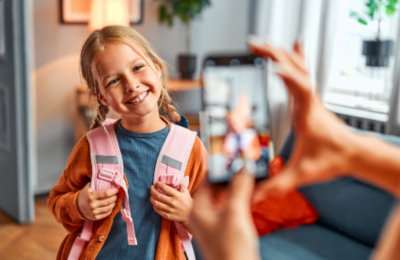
{"x": 96, "y": 42}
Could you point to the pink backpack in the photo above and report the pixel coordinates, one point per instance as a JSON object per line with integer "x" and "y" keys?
{"x": 107, "y": 172}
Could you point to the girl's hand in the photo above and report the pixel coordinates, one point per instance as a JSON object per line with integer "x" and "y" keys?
{"x": 95, "y": 205}
{"x": 170, "y": 203}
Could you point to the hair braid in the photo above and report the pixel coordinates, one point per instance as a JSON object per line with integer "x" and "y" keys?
{"x": 102, "y": 111}
{"x": 167, "y": 107}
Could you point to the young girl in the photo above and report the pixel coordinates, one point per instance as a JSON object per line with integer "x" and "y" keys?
{"x": 124, "y": 73}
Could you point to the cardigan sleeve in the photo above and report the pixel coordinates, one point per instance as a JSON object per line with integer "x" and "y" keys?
{"x": 197, "y": 166}
{"x": 63, "y": 197}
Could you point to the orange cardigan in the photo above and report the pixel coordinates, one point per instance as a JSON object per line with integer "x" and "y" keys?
{"x": 62, "y": 201}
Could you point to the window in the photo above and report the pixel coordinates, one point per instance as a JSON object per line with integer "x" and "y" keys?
{"x": 351, "y": 84}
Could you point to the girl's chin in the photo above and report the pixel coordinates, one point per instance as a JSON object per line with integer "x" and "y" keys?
{"x": 142, "y": 111}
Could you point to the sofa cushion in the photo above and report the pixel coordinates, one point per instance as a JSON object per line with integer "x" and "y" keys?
{"x": 352, "y": 207}
{"x": 275, "y": 213}
{"x": 312, "y": 242}
{"x": 348, "y": 205}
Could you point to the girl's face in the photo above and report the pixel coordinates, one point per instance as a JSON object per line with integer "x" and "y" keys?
{"x": 128, "y": 83}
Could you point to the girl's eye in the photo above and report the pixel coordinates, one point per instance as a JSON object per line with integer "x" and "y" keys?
{"x": 137, "y": 68}
{"x": 112, "y": 82}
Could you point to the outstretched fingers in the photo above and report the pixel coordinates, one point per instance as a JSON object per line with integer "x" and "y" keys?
{"x": 290, "y": 67}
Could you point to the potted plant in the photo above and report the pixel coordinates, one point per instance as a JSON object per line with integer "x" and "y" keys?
{"x": 185, "y": 11}
{"x": 377, "y": 51}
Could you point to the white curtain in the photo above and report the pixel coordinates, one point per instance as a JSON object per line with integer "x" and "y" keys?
{"x": 282, "y": 22}
{"x": 393, "y": 125}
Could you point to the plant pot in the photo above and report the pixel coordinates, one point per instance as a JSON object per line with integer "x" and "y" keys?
{"x": 377, "y": 52}
{"x": 187, "y": 65}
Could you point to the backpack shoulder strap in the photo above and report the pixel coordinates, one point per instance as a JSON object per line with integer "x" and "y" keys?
{"x": 107, "y": 172}
{"x": 170, "y": 169}
{"x": 174, "y": 155}
{"x": 105, "y": 155}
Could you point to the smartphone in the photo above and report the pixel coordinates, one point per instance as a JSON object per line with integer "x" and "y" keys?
{"x": 234, "y": 122}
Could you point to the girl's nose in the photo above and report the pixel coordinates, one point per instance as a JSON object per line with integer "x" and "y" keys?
{"x": 131, "y": 84}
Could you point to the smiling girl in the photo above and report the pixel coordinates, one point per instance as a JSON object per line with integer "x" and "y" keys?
{"x": 125, "y": 74}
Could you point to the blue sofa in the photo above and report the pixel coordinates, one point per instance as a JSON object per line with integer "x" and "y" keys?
{"x": 352, "y": 215}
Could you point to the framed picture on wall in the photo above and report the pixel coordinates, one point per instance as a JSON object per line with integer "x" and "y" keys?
{"x": 78, "y": 11}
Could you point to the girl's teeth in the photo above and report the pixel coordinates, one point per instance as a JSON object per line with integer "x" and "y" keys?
{"x": 139, "y": 98}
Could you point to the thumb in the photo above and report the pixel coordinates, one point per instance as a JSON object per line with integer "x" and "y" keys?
{"x": 278, "y": 185}
{"x": 241, "y": 187}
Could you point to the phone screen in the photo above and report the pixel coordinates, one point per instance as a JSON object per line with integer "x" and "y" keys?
{"x": 235, "y": 121}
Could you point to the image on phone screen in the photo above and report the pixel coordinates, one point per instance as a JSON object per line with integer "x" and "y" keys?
{"x": 234, "y": 121}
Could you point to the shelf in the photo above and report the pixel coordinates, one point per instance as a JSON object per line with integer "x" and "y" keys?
{"x": 182, "y": 84}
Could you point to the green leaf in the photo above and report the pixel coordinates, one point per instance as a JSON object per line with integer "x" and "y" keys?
{"x": 390, "y": 10}
{"x": 185, "y": 10}
{"x": 362, "y": 21}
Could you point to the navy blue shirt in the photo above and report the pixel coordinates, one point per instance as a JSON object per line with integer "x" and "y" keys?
{"x": 139, "y": 154}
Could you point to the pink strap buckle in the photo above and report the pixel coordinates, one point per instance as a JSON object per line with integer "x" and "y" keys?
{"x": 112, "y": 177}
{"x": 106, "y": 175}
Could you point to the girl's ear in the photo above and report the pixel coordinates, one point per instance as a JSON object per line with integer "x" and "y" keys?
{"x": 158, "y": 69}
{"x": 101, "y": 99}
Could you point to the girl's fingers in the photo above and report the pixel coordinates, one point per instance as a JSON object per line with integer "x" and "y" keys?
{"x": 163, "y": 210}
{"x": 98, "y": 195}
{"x": 161, "y": 206}
{"x": 104, "y": 202}
{"x": 170, "y": 191}
{"x": 101, "y": 216}
{"x": 157, "y": 195}
{"x": 164, "y": 215}
{"x": 103, "y": 210}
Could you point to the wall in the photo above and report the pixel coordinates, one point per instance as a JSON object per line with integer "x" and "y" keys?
{"x": 222, "y": 27}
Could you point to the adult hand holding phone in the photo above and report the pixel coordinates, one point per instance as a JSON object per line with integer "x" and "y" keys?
{"x": 221, "y": 220}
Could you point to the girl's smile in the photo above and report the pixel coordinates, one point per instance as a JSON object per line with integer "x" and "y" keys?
{"x": 136, "y": 100}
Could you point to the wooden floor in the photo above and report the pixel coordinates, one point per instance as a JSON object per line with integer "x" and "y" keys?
{"x": 39, "y": 240}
